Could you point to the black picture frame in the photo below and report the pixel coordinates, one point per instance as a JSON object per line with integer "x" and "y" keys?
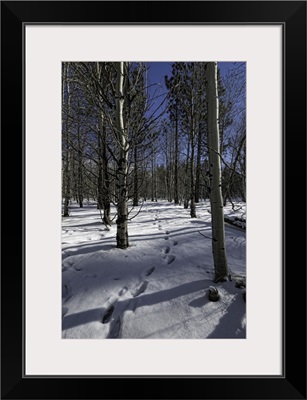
{"x": 292, "y": 384}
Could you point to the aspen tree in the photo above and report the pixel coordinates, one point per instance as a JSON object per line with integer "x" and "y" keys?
{"x": 216, "y": 200}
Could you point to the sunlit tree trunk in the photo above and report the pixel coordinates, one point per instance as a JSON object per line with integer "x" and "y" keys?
{"x": 122, "y": 171}
{"x": 216, "y": 200}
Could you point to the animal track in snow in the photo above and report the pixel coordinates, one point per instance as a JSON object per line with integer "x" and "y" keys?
{"x": 169, "y": 259}
{"x": 166, "y": 237}
{"x": 167, "y": 232}
{"x": 108, "y": 314}
{"x": 167, "y": 250}
{"x": 150, "y": 271}
{"x": 175, "y": 242}
{"x": 141, "y": 289}
{"x": 123, "y": 291}
{"x": 77, "y": 268}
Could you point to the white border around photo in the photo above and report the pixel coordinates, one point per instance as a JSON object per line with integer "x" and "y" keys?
{"x": 47, "y": 46}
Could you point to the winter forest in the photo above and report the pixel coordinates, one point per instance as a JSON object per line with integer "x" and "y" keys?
{"x": 153, "y": 200}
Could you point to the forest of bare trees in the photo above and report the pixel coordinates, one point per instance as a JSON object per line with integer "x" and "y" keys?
{"x": 125, "y": 141}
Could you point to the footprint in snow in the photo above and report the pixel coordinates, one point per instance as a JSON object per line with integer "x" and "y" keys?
{"x": 175, "y": 242}
{"x": 141, "y": 289}
{"x": 76, "y": 268}
{"x": 167, "y": 232}
{"x": 123, "y": 291}
{"x": 150, "y": 271}
{"x": 170, "y": 259}
{"x": 167, "y": 250}
{"x": 108, "y": 314}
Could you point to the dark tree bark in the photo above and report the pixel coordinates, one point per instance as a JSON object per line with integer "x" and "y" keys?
{"x": 198, "y": 166}
{"x": 176, "y": 194}
{"x": 135, "y": 178}
{"x": 67, "y": 166}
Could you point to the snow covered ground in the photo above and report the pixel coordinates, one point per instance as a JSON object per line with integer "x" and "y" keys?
{"x": 158, "y": 287}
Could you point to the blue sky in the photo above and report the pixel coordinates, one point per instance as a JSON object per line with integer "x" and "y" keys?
{"x": 157, "y": 70}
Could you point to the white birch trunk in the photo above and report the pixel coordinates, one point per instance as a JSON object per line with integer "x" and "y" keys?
{"x": 216, "y": 200}
{"x": 122, "y": 206}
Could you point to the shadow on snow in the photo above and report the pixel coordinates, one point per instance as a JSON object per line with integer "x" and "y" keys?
{"x": 131, "y": 304}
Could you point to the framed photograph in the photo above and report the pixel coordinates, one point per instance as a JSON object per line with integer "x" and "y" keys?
{"x": 162, "y": 147}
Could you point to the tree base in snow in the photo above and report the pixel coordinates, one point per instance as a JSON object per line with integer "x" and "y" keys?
{"x": 218, "y": 279}
{"x": 122, "y": 246}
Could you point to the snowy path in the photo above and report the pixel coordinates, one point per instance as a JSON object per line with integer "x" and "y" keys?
{"x": 158, "y": 287}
